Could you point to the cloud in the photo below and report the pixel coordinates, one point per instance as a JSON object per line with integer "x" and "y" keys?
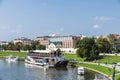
{"x": 96, "y": 26}
{"x": 102, "y": 18}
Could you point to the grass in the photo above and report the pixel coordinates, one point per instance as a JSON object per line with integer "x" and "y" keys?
{"x": 72, "y": 57}
{"x": 110, "y": 59}
{"x": 3, "y": 54}
{"x": 117, "y": 77}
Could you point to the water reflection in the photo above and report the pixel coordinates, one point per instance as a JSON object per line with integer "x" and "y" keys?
{"x": 80, "y": 77}
{"x": 24, "y": 71}
{"x": 90, "y": 75}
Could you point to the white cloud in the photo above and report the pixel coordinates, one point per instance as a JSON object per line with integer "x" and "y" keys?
{"x": 96, "y": 26}
{"x": 103, "y": 18}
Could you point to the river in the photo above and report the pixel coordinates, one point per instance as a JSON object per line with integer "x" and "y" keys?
{"x": 24, "y": 71}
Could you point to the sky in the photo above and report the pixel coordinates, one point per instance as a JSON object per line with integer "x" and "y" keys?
{"x": 34, "y": 18}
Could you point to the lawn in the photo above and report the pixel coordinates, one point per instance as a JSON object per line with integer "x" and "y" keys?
{"x": 72, "y": 57}
{"x": 3, "y": 54}
{"x": 105, "y": 59}
{"x": 117, "y": 77}
{"x": 110, "y": 59}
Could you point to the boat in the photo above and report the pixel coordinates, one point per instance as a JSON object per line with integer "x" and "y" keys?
{"x": 46, "y": 58}
{"x": 81, "y": 70}
{"x": 12, "y": 58}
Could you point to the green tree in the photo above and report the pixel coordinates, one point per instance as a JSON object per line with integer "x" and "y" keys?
{"x": 26, "y": 47}
{"x": 111, "y": 38}
{"x": 18, "y": 46}
{"x": 4, "y": 47}
{"x": 94, "y": 52}
{"x": 11, "y": 46}
{"x": 88, "y": 49}
{"x": 41, "y": 47}
{"x": 104, "y": 45}
{"x": 34, "y": 45}
{"x": 78, "y": 42}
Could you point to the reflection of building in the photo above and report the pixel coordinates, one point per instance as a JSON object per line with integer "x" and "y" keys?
{"x": 58, "y": 41}
{"x": 24, "y": 41}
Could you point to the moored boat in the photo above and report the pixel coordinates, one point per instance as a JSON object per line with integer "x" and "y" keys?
{"x": 46, "y": 58}
{"x": 81, "y": 70}
{"x": 12, "y": 58}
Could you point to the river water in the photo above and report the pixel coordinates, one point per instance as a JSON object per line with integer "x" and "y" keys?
{"x": 24, "y": 71}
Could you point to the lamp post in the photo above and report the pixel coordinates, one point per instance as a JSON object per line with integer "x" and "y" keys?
{"x": 114, "y": 66}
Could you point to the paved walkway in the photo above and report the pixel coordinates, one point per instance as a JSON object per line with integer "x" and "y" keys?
{"x": 106, "y": 65}
{"x": 116, "y": 54}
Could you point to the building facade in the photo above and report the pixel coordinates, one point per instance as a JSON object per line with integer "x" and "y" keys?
{"x": 42, "y": 41}
{"x": 24, "y": 41}
{"x": 58, "y": 41}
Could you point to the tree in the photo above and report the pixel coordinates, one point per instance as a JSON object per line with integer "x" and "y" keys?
{"x": 78, "y": 42}
{"x": 104, "y": 45}
{"x": 11, "y": 46}
{"x": 34, "y": 45}
{"x": 111, "y": 38}
{"x": 18, "y": 46}
{"x": 4, "y": 47}
{"x": 26, "y": 47}
{"x": 41, "y": 47}
{"x": 94, "y": 52}
{"x": 88, "y": 49}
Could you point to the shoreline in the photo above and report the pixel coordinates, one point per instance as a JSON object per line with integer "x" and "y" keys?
{"x": 107, "y": 76}
{"x": 20, "y": 59}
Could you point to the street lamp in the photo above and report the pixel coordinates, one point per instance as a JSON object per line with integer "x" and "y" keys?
{"x": 114, "y": 66}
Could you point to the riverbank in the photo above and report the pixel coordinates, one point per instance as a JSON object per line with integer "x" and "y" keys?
{"x": 100, "y": 69}
{"x": 21, "y": 55}
{"x": 107, "y": 71}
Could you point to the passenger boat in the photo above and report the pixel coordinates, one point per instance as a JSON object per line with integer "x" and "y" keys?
{"x": 12, "y": 58}
{"x": 46, "y": 58}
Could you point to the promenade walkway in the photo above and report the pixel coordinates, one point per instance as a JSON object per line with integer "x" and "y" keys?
{"x": 101, "y": 64}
